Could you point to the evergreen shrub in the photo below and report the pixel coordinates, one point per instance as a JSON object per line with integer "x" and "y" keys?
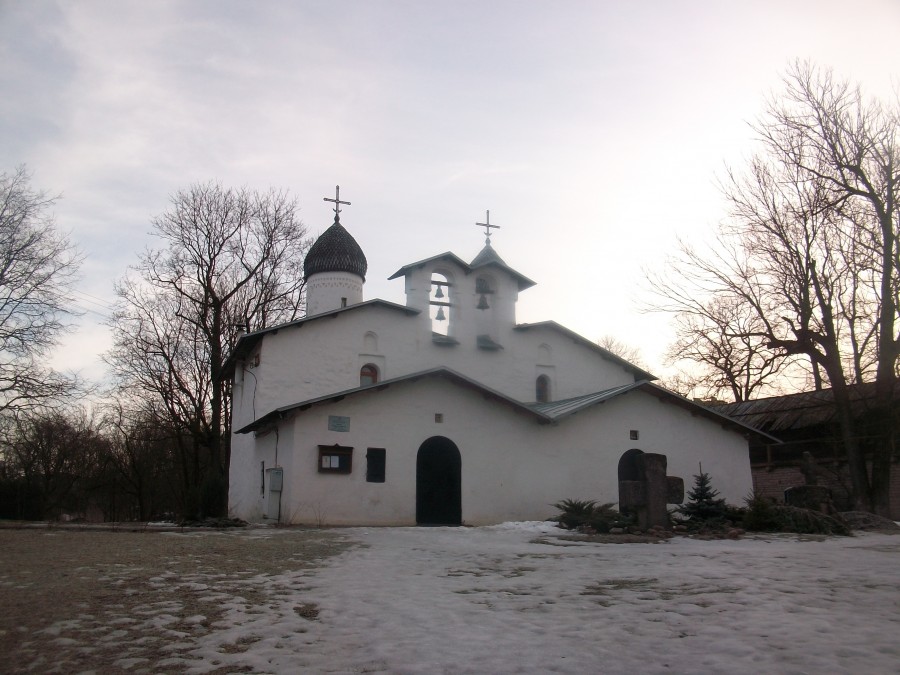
{"x": 705, "y": 509}
{"x": 764, "y": 515}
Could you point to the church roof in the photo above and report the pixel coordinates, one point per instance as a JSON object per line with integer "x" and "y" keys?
{"x": 248, "y": 341}
{"x": 487, "y": 256}
{"x": 335, "y": 251}
{"x": 542, "y": 413}
{"x": 557, "y": 410}
{"x": 570, "y": 406}
{"x": 639, "y": 373}
{"x": 440, "y": 372}
{"x": 447, "y": 255}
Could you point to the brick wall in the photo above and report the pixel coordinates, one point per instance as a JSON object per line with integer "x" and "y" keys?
{"x": 771, "y": 481}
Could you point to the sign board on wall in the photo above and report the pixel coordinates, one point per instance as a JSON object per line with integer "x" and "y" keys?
{"x": 338, "y": 423}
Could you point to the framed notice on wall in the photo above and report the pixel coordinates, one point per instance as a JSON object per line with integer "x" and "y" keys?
{"x": 338, "y": 423}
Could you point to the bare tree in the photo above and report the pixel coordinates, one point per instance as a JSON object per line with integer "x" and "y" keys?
{"x": 143, "y": 475}
{"x": 37, "y": 269}
{"x": 721, "y": 340}
{"x": 53, "y": 456}
{"x": 631, "y": 354}
{"x": 810, "y": 252}
{"x": 231, "y": 260}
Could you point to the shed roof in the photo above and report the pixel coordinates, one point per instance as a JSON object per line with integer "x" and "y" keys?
{"x": 798, "y": 411}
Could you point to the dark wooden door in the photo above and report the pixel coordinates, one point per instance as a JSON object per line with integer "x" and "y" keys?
{"x": 438, "y": 483}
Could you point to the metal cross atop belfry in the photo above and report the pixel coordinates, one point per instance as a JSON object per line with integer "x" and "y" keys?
{"x": 337, "y": 202}
{"x": 487, "y": 227}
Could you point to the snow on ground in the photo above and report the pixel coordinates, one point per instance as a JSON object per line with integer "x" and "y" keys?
{"x": 517, "y": 598}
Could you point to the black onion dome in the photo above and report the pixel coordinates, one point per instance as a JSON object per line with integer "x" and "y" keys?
{"x": 335, "y": 251}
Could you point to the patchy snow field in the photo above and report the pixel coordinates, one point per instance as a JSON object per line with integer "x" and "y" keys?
{"x": 514, "y": 598}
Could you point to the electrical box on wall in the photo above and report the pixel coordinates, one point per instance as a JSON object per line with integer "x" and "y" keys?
{"x": 276, "y": 479}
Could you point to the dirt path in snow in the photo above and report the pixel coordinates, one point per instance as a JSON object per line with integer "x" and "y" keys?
{"x": 110, "y": 601}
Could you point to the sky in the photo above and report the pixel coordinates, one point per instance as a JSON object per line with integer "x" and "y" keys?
{"x": 593, "y": 131}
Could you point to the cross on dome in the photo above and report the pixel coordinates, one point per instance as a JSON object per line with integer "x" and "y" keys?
{"x": 337, "y": 203}
{"x": 487, "y": 227}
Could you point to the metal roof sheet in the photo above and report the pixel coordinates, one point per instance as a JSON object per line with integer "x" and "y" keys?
{"x": 446, "y": 373}
{"x": 569, "y": 406}
{"x": 797, "y": 411}
{"x": 543, "y": 413}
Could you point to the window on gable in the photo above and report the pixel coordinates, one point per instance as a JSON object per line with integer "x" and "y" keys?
{"x": 335, "y": 459}
{"x": 368, "y": 374}
{"x": 542, "y": 389}
{"x": 375, "y": 464}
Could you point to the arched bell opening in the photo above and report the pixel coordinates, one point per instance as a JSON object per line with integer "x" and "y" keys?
{"x": 440, "y": 307}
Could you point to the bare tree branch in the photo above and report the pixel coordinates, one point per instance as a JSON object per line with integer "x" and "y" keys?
{"x": 38, "y": 267}
{"x": 231, "y": 260}
{"x": 807, "y": 266}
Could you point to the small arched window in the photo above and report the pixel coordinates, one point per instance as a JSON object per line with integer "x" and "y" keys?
{"x": 368, "y": 374}
{"x": 542, "y": 389}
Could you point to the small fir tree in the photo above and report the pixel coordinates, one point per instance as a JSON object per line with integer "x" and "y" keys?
{"x": 704, "y": 507}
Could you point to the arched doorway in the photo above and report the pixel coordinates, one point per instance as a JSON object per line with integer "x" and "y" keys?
{"x": 631, "y": 478}
{"x": 629, "y": 465}
{"x": 438, "y": 483}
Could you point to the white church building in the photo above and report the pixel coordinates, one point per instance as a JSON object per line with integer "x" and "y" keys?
{"x": 444, "y": 410}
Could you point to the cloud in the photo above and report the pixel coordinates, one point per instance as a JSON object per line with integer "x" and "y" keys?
{"x": 595, "y": 123}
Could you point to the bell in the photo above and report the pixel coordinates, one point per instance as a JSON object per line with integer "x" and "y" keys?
{"x": 482, "y": 302}
{"x": 439, "y": 293}
{"x": 440, "y": 315}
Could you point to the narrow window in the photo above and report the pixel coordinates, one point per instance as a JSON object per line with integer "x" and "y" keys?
{"x": 343, "y": 302}
{"x": 335, "y": 459}
{"x": 375, "y": 463}
{"x": 542, "y": 389}
{"x": 368, "y": 374}
{"x": 262, "y": 479}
